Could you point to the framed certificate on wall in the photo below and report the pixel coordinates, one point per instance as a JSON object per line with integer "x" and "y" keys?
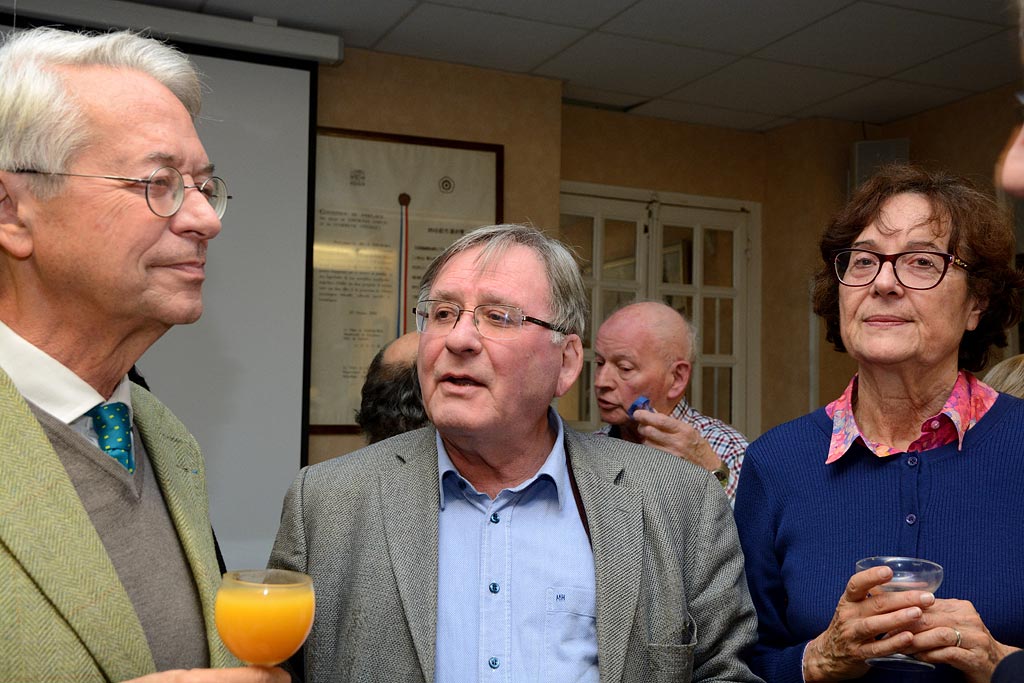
{"x": 385, "y": 206}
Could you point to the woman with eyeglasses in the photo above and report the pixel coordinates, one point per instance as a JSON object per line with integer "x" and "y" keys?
{"x": 916, "y": 458}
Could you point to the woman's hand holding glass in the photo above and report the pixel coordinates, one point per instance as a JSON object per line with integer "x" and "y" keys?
{"x": 852, "y": 637}
{"x": 948, "y": 620}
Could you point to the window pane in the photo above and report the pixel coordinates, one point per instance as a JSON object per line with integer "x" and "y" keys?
{"x": 683, "y": 304}
{"x": 717, "y": 390}
{"x": 612, "y": 301}
{"x": 718, "y": 258}
{"x": 577, "y": 232}
{"x": 588, "y": 329}
{"x": 677, "y": 255}
{"x": 716, "y": 332}
{"x": 619, "y": 250}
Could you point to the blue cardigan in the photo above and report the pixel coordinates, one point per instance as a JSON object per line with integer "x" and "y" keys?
{"x": 803, "y": 524}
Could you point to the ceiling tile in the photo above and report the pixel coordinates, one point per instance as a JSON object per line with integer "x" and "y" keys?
{"x": 776, "y": 123}
{"x": 883, "y": 101}
{"x": 632, "y": 66}
{"x": 360, "y": 23}
{"x": 702, "y": 114}
{"x": 769, "y": 87}
{"x": 579, "y": 13}
{"x": 985, "y": 65}
{"x": 927, "y": 51}
{"x": 463, "y": 36}
{"x": 876, "y": 40}
{"x": 735, "y": 26}
{"x": 581, "y": 95}
{"x": 183, "y": 5}
{"x": 1002, "y": 12}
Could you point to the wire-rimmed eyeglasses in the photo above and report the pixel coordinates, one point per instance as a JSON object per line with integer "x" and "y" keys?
{"x": 165, "y": 189}
{"x": 494, "y": 321}
{"x": 913, "y": 269}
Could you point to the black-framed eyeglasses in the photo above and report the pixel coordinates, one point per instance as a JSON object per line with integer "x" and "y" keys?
{"x": 494, "y": 321}
{"x": 913, "y": 269}
{"x": 165, "y": 189}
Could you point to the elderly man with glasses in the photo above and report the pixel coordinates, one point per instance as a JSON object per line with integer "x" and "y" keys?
{"x": 499, "y": 544}
{"x": 107, "y": 204}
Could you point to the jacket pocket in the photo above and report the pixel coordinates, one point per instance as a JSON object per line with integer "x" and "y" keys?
{"x": 676, "y": 660}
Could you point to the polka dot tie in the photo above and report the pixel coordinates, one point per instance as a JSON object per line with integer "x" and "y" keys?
{"x": 113, "y": 426}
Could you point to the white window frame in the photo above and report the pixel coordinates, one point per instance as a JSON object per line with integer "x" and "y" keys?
{"x": 645, "y": 207}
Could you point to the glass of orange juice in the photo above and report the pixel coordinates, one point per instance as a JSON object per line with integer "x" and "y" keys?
{"x": 264, "y": 615}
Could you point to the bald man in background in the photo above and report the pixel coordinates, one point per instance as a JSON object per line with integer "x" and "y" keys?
{"x": 647, "y": 349}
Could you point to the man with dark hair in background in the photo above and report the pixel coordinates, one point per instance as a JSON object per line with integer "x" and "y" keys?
{"x": 391, "y": 402}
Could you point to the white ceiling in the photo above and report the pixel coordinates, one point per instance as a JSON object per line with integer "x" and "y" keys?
{"x": 746, "y": 64}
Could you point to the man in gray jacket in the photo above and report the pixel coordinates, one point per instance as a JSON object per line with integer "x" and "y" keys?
{"x": 499, "y": 544}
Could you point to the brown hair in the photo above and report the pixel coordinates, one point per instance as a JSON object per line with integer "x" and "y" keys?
{"x": 979, "y": 233}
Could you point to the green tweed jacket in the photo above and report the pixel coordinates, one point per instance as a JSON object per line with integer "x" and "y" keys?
{"x": 64, "y": 615}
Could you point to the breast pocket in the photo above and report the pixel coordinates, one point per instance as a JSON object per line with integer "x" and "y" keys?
{"x": 673, "y": 662}
{"x": 570, "y": 636}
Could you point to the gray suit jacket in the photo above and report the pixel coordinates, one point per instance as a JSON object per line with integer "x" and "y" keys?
{"x": 64, "y": 615}
{"x": 672, "y": 601}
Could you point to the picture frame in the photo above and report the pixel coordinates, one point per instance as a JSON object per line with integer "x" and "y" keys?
{"x": 385, "y": 206}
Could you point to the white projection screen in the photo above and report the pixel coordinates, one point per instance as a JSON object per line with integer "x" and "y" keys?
{"x": 235, "y": 378}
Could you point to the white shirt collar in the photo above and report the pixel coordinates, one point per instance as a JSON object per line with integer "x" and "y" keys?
{"x": 44, "y": 381}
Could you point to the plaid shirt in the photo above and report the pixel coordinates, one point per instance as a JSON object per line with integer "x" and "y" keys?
{"x": 724, "y": 440}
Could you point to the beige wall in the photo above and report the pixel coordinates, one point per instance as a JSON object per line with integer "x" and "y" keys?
{"x": 632, "y": 151}
{"x": 797, "y": 172}
{"x": 965, "y": 137}
{"x": 807, "y": 182}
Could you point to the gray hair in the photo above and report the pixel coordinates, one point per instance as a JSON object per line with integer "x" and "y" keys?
{"x": 569, "y": 300}
{"x": 41, "y": 124}
{"x": 1007, "y": 376}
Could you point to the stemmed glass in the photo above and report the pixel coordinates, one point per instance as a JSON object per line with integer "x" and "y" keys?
{"x": 908, "y": 574}
{"x": 264, "y": 615}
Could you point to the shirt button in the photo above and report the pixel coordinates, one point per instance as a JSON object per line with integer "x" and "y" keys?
{"x": 911, "y": 518}
{"x": 494, "y": 588}
{"x": 493, "y": 663}
{"x": 936, "y": 424}
{"x": 495, "y": 518}
{"x": 912, "y": 460}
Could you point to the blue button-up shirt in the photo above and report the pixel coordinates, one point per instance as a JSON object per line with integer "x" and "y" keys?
{"x": 516, "y": 597}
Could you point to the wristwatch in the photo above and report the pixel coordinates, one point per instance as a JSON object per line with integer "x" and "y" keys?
{"x": 722, "y": 474}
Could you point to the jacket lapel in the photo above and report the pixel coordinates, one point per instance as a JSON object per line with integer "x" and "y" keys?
{"x": 178, "y": 465}
{"x": 616, "y": 518}
{"x": 410, "y": 501}
{"x": 44, "y": 526}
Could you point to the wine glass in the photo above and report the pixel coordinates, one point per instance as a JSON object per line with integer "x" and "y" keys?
{"x": 908, "y": 574}
{"x": 264, "y": 615}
